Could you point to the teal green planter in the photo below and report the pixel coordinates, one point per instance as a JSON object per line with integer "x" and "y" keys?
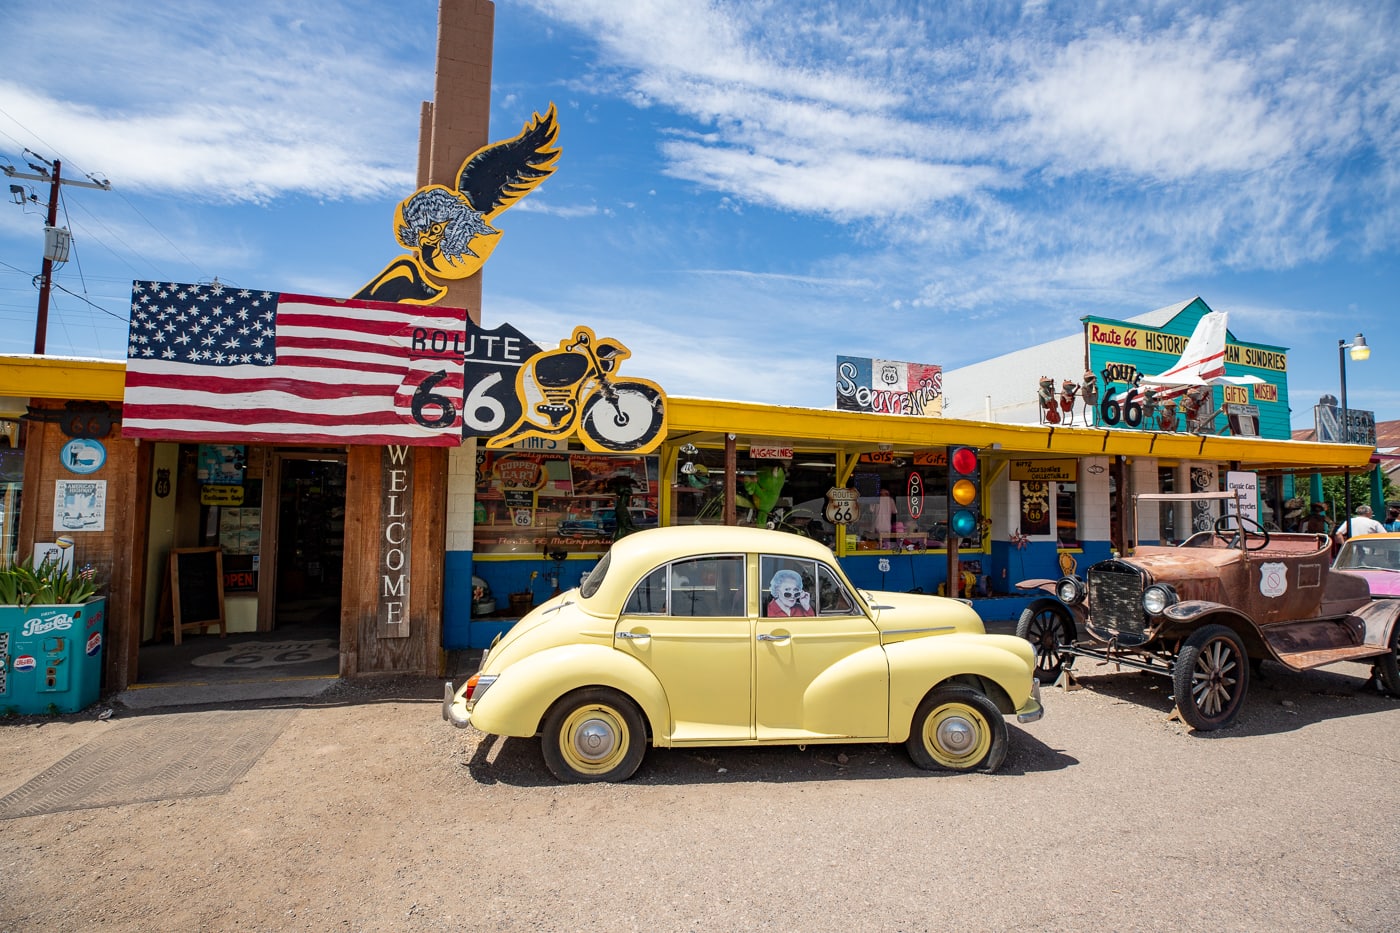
{"x": 51, "y": 657}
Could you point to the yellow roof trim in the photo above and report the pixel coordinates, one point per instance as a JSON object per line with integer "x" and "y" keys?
{"x": 705, "y": 422}
{"x": 63, "y": 378}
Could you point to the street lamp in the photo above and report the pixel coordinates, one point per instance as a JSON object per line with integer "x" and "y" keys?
{"x": 1359, "y": 352}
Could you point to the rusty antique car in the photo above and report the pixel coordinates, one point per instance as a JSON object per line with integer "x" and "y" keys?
{"x": 1208, "y": 610}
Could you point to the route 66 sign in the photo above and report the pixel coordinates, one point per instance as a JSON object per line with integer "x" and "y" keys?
{"x": 842, "y": 506}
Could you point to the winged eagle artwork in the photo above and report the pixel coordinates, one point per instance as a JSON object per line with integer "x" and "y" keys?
{"x": 448, "y": 230}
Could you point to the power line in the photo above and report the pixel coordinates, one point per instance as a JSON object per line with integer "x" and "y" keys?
{"x": 57, "y": 240}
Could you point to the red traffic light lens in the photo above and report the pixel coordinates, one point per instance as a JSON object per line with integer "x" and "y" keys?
{"x": 964, "y": 460}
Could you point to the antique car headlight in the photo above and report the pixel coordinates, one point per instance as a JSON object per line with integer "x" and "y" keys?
{"x": 1156, "y": 598}
{"x": 1070, "y": 590}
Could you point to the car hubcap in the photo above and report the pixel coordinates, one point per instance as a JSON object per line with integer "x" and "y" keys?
{"x": 957, "y": 735}
{"x": 594, "y": 740}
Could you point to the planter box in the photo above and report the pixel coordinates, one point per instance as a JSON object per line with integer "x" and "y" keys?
{"x": 51, "y": 657}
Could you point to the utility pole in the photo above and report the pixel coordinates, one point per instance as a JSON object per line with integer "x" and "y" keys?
{"x": 56, "y": 239}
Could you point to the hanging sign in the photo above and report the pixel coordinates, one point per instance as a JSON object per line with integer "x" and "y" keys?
{"x": 1045, "y": 471}
{"x": 916, "y": 495}
{"x": 83, "y": 455}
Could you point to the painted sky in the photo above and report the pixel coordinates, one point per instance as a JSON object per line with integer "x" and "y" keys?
{"x": 747, "y": 189}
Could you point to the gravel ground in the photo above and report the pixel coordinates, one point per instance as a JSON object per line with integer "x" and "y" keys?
{"x": 370, "y": 813}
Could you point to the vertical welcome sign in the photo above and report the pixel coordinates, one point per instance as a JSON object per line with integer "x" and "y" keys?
{"x": 396, "y": 507}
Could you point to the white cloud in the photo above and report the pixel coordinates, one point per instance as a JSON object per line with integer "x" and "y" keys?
{"x": 219, "y": 102}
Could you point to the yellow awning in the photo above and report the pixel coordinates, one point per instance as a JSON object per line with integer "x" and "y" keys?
{"x": 705, "y": 422}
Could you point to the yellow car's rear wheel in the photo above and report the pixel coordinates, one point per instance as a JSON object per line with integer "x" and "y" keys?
{"x": 957, "y": 729}
{"x": 595, "y": 734}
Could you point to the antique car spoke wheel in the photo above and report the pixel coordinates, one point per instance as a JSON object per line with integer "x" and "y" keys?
{"x": 594, "y": 735}
{"x": 1048, "y": 629}
{"x": 957, "y": 729}
{"x": 1210, "y": 677}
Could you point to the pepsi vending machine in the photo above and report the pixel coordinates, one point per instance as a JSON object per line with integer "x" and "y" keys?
{"x": 50, "y": 657}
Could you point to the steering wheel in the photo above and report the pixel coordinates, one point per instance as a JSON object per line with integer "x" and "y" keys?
{"x": 1231, "y": 536}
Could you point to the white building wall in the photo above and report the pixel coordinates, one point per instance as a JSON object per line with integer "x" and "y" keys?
{"x": 1093, "y": 499}
{"x": 1003, "y": 388}
{"x": 461, "y": 495}
{"x": 1143, "y": 478}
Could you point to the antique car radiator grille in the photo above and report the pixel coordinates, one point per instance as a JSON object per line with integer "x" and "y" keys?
{"x": 1115, "y": 597}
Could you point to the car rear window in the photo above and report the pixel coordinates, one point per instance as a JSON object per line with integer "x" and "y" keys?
{"x": 594, "y": 578}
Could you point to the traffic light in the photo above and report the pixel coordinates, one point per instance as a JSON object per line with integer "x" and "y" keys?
{"x": 964, "y": 491}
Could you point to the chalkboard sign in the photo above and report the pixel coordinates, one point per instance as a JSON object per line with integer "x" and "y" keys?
{"x": 197, "y": 589}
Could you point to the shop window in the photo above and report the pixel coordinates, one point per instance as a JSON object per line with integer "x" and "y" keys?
{"x": 1167, "y": 522}
{"x": 11, "y": 491}
{"x": 1067, "y": 515}
{"x": 578, "y": 503}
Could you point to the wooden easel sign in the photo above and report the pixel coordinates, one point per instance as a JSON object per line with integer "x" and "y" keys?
{"x": 194, "y": 592}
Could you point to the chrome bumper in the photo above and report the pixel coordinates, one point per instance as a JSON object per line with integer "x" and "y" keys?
{"x": 453, "y": 709}
{"x": 1032, "y": 711}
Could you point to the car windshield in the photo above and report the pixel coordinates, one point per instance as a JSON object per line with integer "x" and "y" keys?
{"x": 1370, "y": 554}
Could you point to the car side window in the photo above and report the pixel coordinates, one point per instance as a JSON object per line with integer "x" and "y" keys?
{"x": 649, "y": 596}
{"x": 697, "y": 588}
{"x": 833, "y": 596}
{"x": 708, "y": 586}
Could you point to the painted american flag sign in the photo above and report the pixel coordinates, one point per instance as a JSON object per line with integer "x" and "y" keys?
{"x": 213, "y": 363}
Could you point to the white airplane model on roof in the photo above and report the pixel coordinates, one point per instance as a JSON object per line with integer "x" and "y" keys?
{"x": 1202, "y": 363}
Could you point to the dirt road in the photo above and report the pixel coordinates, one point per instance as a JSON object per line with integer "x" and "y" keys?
{"x": 362, "y": 810}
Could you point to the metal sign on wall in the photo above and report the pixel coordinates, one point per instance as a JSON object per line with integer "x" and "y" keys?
{"x": 1361, "y": 425}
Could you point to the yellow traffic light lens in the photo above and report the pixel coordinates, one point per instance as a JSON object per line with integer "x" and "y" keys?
{"x": 964, "y": 492}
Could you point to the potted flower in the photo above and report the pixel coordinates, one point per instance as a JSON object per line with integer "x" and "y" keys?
{"x": 51, "y": 621}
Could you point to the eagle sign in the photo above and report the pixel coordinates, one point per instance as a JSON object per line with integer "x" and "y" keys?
{"x": 448, "y": 231}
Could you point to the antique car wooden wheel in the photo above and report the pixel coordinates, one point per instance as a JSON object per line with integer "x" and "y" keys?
{"x": 1047, "y": 628}
{"x": 957, "y": 729}
{"x": 1211, "y": 677}
{"x": 594, "y": 734}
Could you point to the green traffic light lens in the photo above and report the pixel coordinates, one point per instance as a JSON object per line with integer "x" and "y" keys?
{"x": 964, "y": 523}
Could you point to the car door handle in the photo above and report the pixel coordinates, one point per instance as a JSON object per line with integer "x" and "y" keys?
{"x": 633, "y": 634}
{"x": 763, "y": 636}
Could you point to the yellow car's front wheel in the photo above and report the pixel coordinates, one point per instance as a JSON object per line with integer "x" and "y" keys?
{"x": 594, "y": 734}
{"x": 957, "y": 729}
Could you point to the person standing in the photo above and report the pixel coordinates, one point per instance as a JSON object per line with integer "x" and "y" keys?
{"x": 1359, "y": 524}
{"x": 1316, "y": 522}
{"x": 1392, "y": 520}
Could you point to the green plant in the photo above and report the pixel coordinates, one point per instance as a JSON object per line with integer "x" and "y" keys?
{"x": 50, "y": 584}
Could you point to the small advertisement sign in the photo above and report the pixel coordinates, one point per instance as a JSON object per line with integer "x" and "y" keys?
{"x": 80, "y": 505}
{"x": 1045, "y": 471}
{"x": 1247, "y": 485}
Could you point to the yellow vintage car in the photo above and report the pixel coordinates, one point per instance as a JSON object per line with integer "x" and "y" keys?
{"x": 713, "y": 635}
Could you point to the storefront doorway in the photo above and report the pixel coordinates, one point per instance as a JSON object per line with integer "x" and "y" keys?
{"x": 310, "y": 540}
{"x": 277, "y": 519}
